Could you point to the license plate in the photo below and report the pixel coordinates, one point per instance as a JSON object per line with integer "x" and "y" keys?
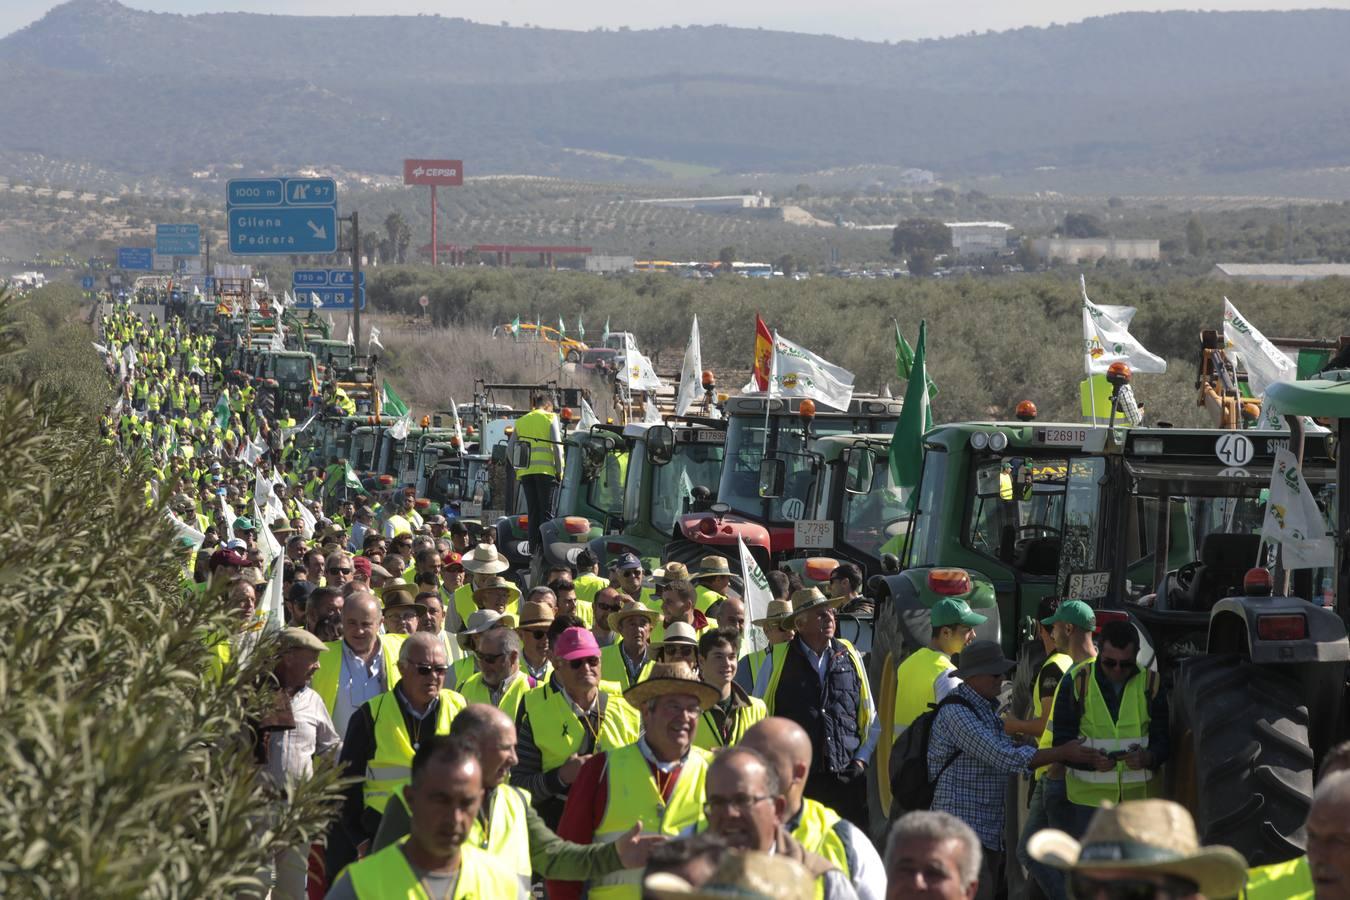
{"x": 1062, "y": 436}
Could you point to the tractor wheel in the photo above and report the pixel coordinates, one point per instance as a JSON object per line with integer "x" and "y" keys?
{"x": 574, "y": 356}
{"x": 1243, "y": 760}
{"x": 689, "y": 553}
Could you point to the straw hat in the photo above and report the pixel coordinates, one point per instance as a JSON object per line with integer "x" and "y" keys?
{"x": 671, "y": 571}
{"x": 1155, "y": 836}
{"x": 710, "y": 567}
{"x": 483, "y": 620}
{"x": 778, "y": 611}
{"x": 536, "y": 615}
{"x": 678, "y": 633}
{"x": 740, "y": 876}
{"x": 666, "y": 679}
{"x": 485, "y": 560}
{"x": 632, "y": 608}
{"x": 809, "y": 599}
{"x": 499, "y": 583}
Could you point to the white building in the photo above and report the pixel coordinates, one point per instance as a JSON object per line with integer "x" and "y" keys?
{"x": 1279, "y": 273}
{"x": 1075, "y": 250}
{"x": 979, "y": 238}
{"x": 730, "y": 203}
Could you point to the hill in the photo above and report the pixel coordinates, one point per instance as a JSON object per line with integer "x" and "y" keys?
{"x": 153, "y": 93}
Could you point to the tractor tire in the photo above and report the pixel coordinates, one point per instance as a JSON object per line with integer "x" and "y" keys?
{"x": 1242, "y": 761}
{"x": 689, "y": 553}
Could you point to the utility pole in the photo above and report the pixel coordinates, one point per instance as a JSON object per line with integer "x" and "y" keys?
{"x": 356, "y": 280}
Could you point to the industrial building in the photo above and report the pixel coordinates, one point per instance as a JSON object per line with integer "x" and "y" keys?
{"x": 1077, "y": 250}
{"x": 979, "y": 238}
{"x": 731, "y": 203}
{"x": 1279, "y": 273}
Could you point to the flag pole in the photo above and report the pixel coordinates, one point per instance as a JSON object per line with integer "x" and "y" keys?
{"x": 1087, "y": 354}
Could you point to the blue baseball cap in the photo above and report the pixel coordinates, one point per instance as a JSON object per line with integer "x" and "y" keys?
{"x": 626, "y": 561}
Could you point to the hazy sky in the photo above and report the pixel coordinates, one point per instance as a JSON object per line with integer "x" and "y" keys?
{"x": 870, "y": 19}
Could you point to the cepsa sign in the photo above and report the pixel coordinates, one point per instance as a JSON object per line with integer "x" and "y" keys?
{"x": 440, "y": 172}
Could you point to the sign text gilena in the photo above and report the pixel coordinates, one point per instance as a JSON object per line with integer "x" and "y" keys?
{"x": 439, "y": 172}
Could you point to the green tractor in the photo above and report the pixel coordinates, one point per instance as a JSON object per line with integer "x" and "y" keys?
{"x": 673, "y": 470}
{"x": 595, "y": 463}
{"x": 285, "y": 382}
{"x": 1158, "y": 526}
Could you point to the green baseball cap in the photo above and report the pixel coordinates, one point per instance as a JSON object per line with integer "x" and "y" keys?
{"x": 954, "y": 611}
{"x": 1074, "y": 612}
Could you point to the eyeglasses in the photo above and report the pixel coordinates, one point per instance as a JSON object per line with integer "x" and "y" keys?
{"x": 334, "y": 570}
{"x": 407, "y": 615}
{"x": 537, "y": 635}
{"x": 1124, "y": 665}
{"x": 491, "y": 658}
{"x": 1084, "y": 887}
{"x": 631, "y": 573}
{"x": 591, "y": 662}
{"x": 742, "y": 803}
{"x": 672, "y": 650}
{"x": 430, "y": 670}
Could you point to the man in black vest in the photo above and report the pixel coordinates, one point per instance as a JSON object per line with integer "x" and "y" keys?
{"x": 820, "y": 684}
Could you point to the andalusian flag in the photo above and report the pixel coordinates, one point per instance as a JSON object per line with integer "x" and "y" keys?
{"x": 393, "y": 404}
{"x": 222, "y": 411}
{"x": 515, "y": 327}
{"x": 906, "y": 454}
{"x": 904, "y": 367}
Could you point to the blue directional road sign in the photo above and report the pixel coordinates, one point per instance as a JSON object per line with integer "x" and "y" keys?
{"x": 208, "y": 283}
{"x": 87, "y": 283}
{"x": 283, "y": 229}
{"x": 178, "y": 240}
{"x": 333, "y": 287}
{"x": 135, "y": 258}
{"x": 282, "y": 215}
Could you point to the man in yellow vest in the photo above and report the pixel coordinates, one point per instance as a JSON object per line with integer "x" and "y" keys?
{"x": 563, "y": 723}
{"x": 498, "y": 681}
{"x": 588, "y": 582}
{"x": 711, "y": 581}
{"x": 538, "y": 429}
{"x": 361, "y": 666}
{"x": 745, "y": 808}
{"x": 1120, "y": 711}
{"x": 657, "y": 781}
{"x": 444, "y": 795}
{"x": 819, "y": 682}
{"x": 400, "y": 518}
{"x": 628, "y": 660}
{"x": 483, "y": 564}
{"x": 924, "y": 677}
{"x": 385, "y": 732}
{"x": 815, "y": 826}
{"x": 777, "y": 628}
{"x": 725, "y": 723}
{"x": 1071, "y": 624}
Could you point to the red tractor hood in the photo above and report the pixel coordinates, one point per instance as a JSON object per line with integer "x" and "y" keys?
{"x": 706, "y": 528}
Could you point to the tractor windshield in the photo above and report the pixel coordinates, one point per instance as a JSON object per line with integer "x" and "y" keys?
{"x": 1210, "y": 526}
{"x": 1040, "y": 516}
{"x": 292, "y": 368}
{"x": 739, "y": 486}
{"x": 673, "y": 484}
{"x": 875, "y": 522}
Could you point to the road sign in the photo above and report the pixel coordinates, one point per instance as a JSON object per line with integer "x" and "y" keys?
{"x": 311, "y": 192}
{"x": 330, "y": 297}
{"x": 282, "y": 215}
{"x": 254, "y": 192}
{"x": 87, "y": 282}
{"x": 438, "y": 172}
{"x": 135, "y": 258}
{"x": 283, "y": 229}
{"x": 208, "y": 282}
{"x": 178, "y": 240}
{"x": 423, "y": 301}
{"x": 343, "y": 278}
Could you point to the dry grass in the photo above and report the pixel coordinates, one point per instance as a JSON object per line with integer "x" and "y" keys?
{"x": 431, "y": 366}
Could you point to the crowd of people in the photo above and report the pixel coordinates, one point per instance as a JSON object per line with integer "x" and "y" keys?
{"x": 615, "y": 734}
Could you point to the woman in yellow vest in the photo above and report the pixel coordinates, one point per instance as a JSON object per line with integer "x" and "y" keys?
{"x": 435, "y": 860}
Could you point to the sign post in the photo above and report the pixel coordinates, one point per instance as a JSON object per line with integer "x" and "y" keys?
{"x": 434, "y": 173}
{"x": 282, "y": 215}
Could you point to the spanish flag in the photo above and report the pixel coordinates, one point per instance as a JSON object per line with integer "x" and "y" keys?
{"x": 763, "y": 364}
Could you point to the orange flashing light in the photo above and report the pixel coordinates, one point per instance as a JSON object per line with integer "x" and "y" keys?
{"x": 1026, "y": 411}
{"x": 807, "y": 409}
{"x": 949, "y": 582}
{"x": 1118, "y": 373}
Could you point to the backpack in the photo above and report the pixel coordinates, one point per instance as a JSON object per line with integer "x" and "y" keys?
{"x": 911, "y": 788}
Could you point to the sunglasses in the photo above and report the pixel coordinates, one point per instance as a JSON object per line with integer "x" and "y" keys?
{"x": 491, "y": 658}
{"x": 1085, "y": 887}
{"x": 592, "y": 662}
{"x": 429, "y": 670}
{"x": 678, "y": 651}
{"x": 631, "y": 573}
{"x": 606, "y": 608}
{"x": 1124, "y": 665}
{"x": 337, "y": 571}
{"x": 538, "y": 635}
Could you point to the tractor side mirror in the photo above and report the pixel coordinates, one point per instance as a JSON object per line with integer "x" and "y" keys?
{"x": 660, "y": 445}
{"x": 858, "y": 470}
{"x": 772, "y": 477}
{"x": 520, "y": 455}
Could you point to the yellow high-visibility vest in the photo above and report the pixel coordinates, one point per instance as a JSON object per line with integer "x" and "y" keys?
{"x": 914, "y": 689}
{"x": 325, "y": 680}
{"x": 1101, "y": 732}
{"x": 632, "y": 797}
{"x": 387, "y": 874}
{"x": 507, "y": 836}
{"x": 391, "y": 766}
{"x": 476, "y": 691}
{"x": 558, "y": 733}
{"x": 742, "y": 717}
{"x": 536, "y": 428}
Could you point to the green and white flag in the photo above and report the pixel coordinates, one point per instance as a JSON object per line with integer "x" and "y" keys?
{"x": 515, "y": 327}
{"x": 906, "y": 454}
{"x": 797, "y": 372}
{"x": 1293, "y": 520}
{"x": 581, "y": 329}
{"x": 756, "y": 595}
{"x": 1107, "y": 339}
{"x": 392, "y": 404}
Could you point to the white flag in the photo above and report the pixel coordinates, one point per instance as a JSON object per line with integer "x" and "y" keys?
{"x": 637, "y": 371}
{"x": 314, "y": 300}
{"x": 651, "y": 413}
{"x": 268, "y": 545}
{"x": 399, "y": 430}
{"x": 1264, "y": 363}
{"x": 588, "y": 416}
{"x": 307, "y": 521}
{"x": 375, "y": 337}
{"x": 288, "y": 433}
{"x": 756, "y": 595}
{"x": 691, "y": 374}
{"x": 287, "y": 299}
{"x": 1107, "y": 339}
{"x": 797, "y": 372}
{"x": 332, "y": 326}
{"x": 253, "y": 450}
{"x": 1293, "y": 520}
{"x": 459, "y": 427}
{"x": 185, "y": 530}
{"x": 270, "y": 604}
{"x": 278, "y": 342}
{"x": 351, "y": 339}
